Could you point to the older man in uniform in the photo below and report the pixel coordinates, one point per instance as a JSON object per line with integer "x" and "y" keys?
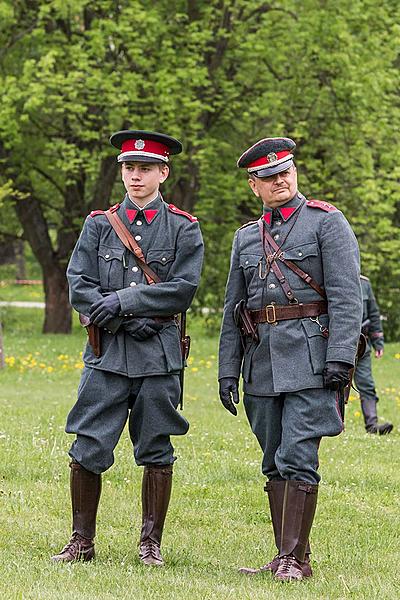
{"x": 137, "y": 375}
{"x": 294, "y": 290}
{"x": 372, "y": 328}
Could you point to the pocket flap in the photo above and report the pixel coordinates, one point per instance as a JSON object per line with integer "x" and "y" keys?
{"x": 249, "y": 260}
{"x": 111, "y": 253}
{"x": 301, "y": 252}
{"x": 163, "y": 257}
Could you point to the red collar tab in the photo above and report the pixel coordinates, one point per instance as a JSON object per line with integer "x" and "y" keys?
{"x": 131, "y": 214}
{"x": 145, "y": 148}
{"x": 322, "y": 205}
{"x": 287, "y": 212}
{"x": 267, "y": 217}
{"x": 270, "y": 158}
{"x": 149, "y": 215}
{"x": 178, "y": 211}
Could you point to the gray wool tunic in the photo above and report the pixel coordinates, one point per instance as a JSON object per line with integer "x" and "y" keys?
{"x": 290, "y": 355}
{"x": 173, "y": 247}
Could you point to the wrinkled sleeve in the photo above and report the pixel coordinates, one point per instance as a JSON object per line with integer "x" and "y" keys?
{"x": 230, "y": 347}
{"x": 375, "y": 332}
{"x": 176, "y": 294}
{"x": 83, "y": 273}
{"x": 341, "y": 265}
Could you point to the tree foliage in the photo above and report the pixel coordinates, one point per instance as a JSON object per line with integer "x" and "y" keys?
{"x": 219, "y": 75}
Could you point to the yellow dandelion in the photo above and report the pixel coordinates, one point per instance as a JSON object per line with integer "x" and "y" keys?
{"x": 49, "y": 369}
{"x": 190, "y": 360}
{"x": 194, "y": 369}
{"x": 357, "y": 413}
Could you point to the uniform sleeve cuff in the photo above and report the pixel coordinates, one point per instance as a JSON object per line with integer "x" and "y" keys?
{"x": 229, "y": 370}
{"x": 126, "y": 300}
{"x": 341, "y": 354}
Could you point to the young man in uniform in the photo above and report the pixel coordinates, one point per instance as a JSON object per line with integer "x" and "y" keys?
{"x": 363, "y": 379}
{"x": 136, "y": 376}
{"x": 295, "y": 272}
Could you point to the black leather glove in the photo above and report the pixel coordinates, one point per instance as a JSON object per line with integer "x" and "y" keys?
{"x": 105, "y": 309}
{"x": 228, "y": 392}
{"x": 336, "y": 375}
{"x": 142, "y": 328}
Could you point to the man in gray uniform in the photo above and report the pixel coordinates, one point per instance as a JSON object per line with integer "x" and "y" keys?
{"x": 137, "y": 375}
{"x": 363, "y": 379}
{"x": 295, "y": 274}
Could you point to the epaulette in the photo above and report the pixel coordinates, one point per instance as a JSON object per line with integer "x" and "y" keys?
{"x": 178, "y": 211}
{"x": 321, "y": 204}
{"x": 112, "y": 209}
{"x": 364, "y": 277}
{"x": 247, "y": 224}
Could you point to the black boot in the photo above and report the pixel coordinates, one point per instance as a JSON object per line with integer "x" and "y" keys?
{"x": 85, "y": 495}
{"x": 299, "y": 504}
{"x": 156, "y": 492}
{"x": 368, "y": 407}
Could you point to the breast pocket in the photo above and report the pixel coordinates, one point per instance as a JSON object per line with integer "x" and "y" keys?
{"x": 249, "y": 263}
{"x": 307, "y": 258}
{"x": 161, "y": 261}
{"x": 111, "y": 268}
{"x": 317, "y": 343}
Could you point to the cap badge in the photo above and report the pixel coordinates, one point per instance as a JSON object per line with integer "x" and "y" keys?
{"x": 139, "y": 144}
{"x": 272, "y": 157}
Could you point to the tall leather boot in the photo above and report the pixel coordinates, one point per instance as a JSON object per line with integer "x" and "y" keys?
{"x": 156, "y": 492}
{"x": 275, "y": 490}
{"x": 85, "y": 495}
{"x": 368, "y": 407}
{"x": 299, "y": 504}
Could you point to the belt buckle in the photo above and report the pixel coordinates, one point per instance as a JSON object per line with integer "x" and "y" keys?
{"x": 267, "y": 309}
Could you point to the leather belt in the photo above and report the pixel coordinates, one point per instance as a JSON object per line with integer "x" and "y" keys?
{"x": 165, "y": 319}
{"x": 283, "y": 312}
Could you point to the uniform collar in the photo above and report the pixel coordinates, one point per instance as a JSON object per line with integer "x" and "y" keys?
{"x": 149, "y": 212}
{"x": 285, "y": 211}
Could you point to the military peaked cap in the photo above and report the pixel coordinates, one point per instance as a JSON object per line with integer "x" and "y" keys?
{"x": 268, "y": 157}
{"x": 144, "y": 146}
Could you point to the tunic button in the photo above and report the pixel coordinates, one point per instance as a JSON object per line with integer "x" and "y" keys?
{"x": 132, "y": 283}
{"x": 300, "y": 253}
{"x": 135, "y": 269}
{"x": 107, "y": 256}
{"x": 138, "y": 237}
{"x": 272, "y": 286}
{"x": 139, "y": 222}
{"x": 276, "y": 236}
{"x": 163, "y": 259}
{"x": 278, "y": 223}
{"x": 247, "y": 262}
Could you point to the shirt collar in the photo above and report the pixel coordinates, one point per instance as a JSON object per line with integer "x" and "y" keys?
{"x": 285, "y": 211}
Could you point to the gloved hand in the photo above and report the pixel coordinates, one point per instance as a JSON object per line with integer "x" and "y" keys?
{"x": 336, "y": 375}
{"x": 228, "y": 392}
{"x": 141, "y": 328}
{"x": 105, "y": 309}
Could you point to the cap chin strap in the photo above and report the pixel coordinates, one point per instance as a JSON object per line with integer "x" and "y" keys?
{"x": 137, "y": 154}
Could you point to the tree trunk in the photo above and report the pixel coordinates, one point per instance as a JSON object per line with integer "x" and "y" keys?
{"x": 58, "y": 311}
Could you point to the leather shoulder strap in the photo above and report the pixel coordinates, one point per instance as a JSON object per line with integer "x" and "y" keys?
{"x": 129, "y": 242}
{"x": 291, "y": 265}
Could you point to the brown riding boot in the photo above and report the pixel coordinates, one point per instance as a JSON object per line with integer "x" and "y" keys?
{"x": 156, "y": 492}
{"x": 299, "y": 504}
{"x": 85, "y": 495}
{"x": 275, "y": 490}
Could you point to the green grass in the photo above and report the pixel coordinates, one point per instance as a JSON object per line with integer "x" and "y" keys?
{"x": 218, "y": 519}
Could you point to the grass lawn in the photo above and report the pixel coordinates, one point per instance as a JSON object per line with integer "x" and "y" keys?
{"x": 218, "y": 519}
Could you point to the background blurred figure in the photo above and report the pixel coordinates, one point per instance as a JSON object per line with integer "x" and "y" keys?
{"x": 364, "y": 381}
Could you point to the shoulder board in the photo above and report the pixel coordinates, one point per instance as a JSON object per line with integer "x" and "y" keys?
{"x": 94, "y": 213}
{"x": 321, "y": 205}
{"x": 247, "y": 224}
{"x": 178, "y": 211}
{"x": 364, "y": 277}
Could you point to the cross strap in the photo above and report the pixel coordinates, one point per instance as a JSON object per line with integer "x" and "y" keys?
{"x": 129, "y": 242}
{"x": 279, "y": 255}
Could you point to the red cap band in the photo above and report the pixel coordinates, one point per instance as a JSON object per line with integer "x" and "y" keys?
{"x": 145, "y": 147}
{"x": 270, "y": 158}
